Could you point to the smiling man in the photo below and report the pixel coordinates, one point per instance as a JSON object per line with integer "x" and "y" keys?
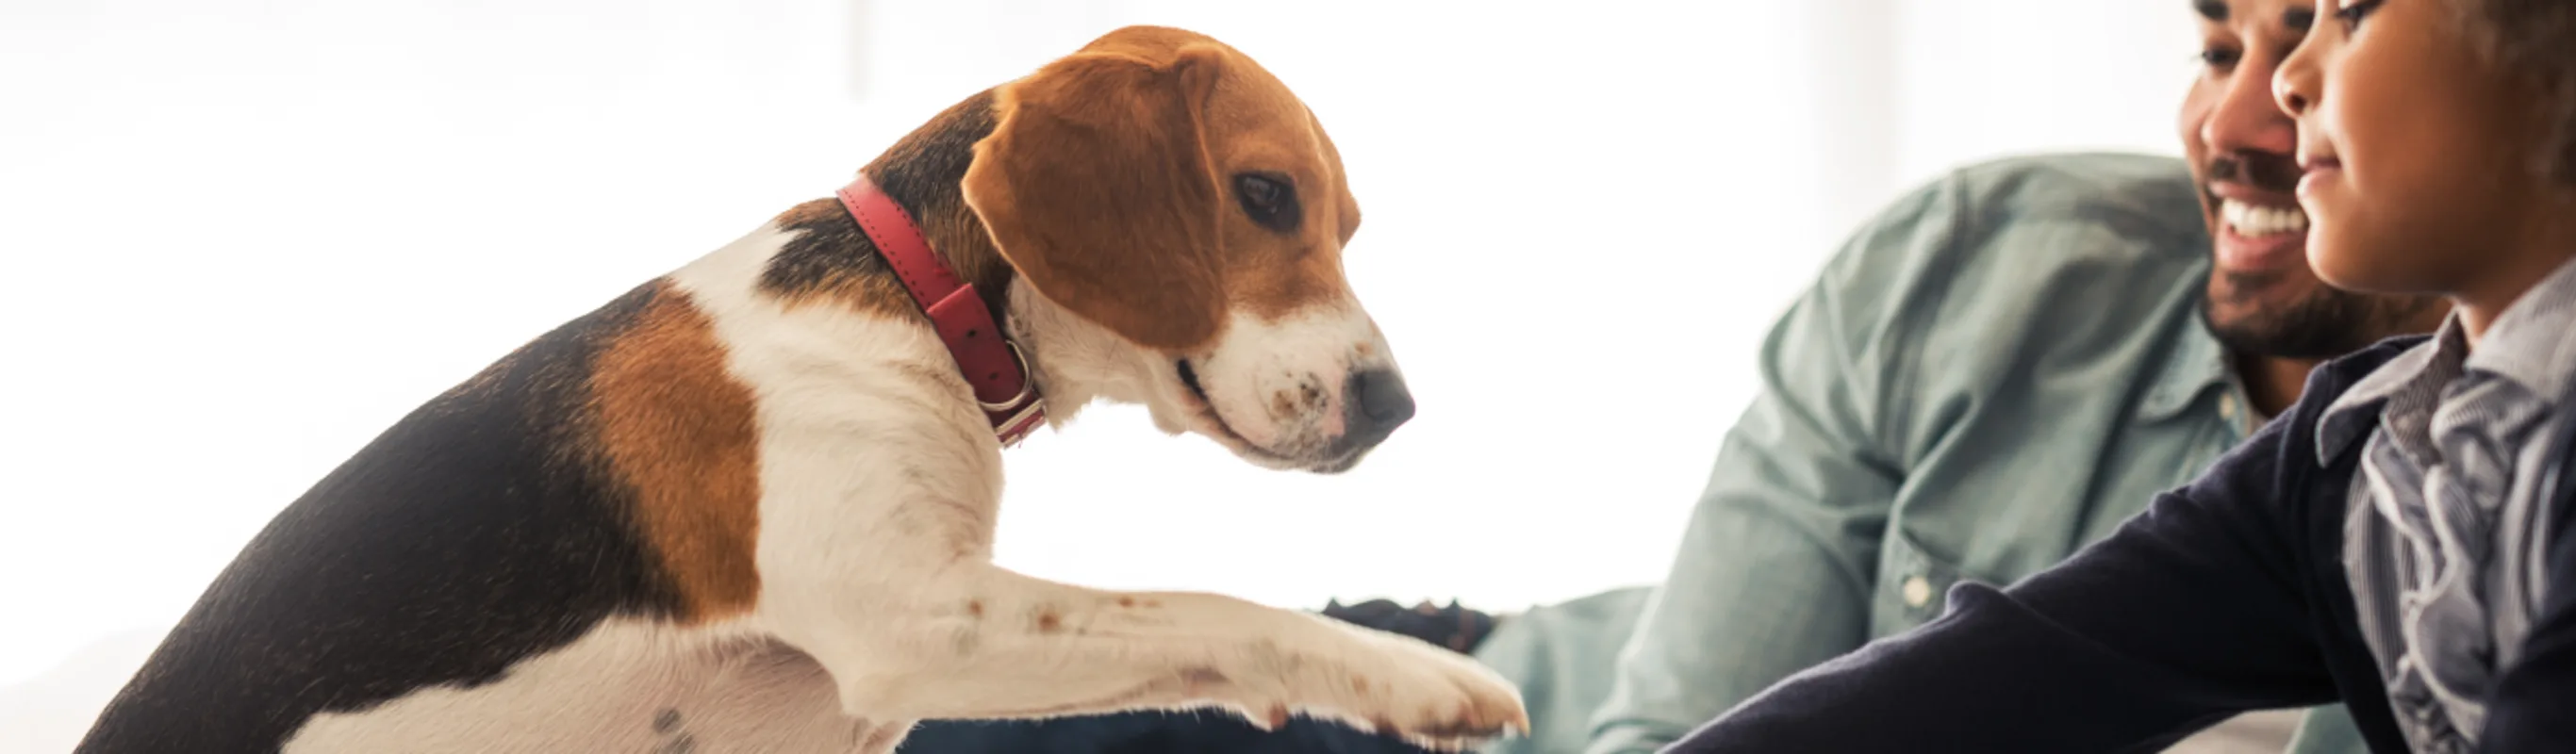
{"x": 1994, "y": 373}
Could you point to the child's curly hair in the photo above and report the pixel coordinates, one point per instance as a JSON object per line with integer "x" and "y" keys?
{"x": 2535, "y": 37}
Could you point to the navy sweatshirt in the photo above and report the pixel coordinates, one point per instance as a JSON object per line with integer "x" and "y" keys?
{"x": 2224, "y": 596}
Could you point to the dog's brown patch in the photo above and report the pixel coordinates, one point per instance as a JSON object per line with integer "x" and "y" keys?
{"x": 1272, "y": 274}
{"x": 1049, "y": 622}
{"x": 679, "y": 432}
{"x": 975, "y": 608}
{"x": 1125, "y": 601}
{"x": 1157, "y": 125}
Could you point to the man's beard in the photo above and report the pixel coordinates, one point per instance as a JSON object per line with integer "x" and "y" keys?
{"x": 2326, "y": 323}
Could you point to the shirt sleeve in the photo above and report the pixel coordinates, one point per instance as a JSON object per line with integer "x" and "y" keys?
{"x": 2533, "y": 705}
{"x": 1773, "y": 572}
{"x": 2191, "y": 612}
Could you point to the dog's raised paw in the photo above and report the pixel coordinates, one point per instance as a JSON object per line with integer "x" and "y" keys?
{"x": 1436, "y": 698}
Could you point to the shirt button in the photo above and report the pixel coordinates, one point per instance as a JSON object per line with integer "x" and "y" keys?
{"x": 2227, "y": 407}
{"x": 1917, "y": 591}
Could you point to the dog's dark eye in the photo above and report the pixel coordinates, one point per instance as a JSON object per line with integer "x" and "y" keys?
{"x": 1268, "y": 200}
{"x": 1260, "y": 194}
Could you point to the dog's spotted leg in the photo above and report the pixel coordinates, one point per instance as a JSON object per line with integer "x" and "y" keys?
{"x": 1006, "y": 645}
{"x": 674, "y": 740}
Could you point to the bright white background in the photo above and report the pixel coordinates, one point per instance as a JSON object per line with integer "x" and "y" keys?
{"x": 242, "y": 237}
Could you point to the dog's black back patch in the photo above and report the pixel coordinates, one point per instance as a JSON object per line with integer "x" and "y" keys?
{"x": 475, "y": 533}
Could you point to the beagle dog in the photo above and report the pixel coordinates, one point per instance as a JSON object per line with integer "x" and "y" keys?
{"x": 749, "y": 505}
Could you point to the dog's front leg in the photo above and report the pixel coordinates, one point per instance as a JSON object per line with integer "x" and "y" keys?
{"x": 985, "y": 642}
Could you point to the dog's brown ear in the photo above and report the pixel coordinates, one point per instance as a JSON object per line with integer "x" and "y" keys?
{"x": 1096, "y": 184}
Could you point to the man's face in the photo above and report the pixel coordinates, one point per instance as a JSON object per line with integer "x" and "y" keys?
{"x": 2263, "y": 299}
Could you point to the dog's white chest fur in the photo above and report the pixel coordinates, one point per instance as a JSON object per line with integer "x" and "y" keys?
{"x": 624, "y": 687}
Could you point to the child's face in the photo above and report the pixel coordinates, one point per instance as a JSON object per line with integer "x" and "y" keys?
{"x": 2418, "y": 149}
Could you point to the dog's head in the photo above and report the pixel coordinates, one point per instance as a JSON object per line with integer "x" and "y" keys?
{"x": 1183, "y": 215}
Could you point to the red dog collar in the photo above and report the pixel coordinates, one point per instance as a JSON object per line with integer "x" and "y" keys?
{"x": 993, "y": 364}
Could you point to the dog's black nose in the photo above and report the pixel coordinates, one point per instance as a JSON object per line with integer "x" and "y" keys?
{"x": 1379, "y": 403}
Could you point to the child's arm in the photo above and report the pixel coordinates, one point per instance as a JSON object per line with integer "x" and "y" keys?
{"x": 2192, "y": 612}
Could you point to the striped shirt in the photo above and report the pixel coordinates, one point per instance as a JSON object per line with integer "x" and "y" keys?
{"x": 2444, "y": 542}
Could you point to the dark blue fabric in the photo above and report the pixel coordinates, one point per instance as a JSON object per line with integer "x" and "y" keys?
{"x": 1146, "y": 733}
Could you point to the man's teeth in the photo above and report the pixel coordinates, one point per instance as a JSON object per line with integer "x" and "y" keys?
{"x": 2254, "y": 221}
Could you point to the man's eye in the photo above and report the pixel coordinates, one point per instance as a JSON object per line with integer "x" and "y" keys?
{"x": 2219, "y": 57}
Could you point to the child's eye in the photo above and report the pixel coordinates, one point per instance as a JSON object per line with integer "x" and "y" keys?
{"x": 2351, "y": 15}
{"x": 2219, "y": 58}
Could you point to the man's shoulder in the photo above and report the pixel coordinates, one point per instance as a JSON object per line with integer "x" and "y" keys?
{"x": 2114, "y": 180}
{"x": 1998, "y": 268}
{"x": 2110, "y": 234}
{"x": 2040, "y": 206}
{"x": 2151, "y": 198}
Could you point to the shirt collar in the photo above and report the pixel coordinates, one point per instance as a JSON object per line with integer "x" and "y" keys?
{"x": 2354, "y": 414}
{"x": 2528, "y": 343}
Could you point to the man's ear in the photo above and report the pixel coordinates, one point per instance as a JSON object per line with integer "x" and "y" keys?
{"x": 1097, "y": 187}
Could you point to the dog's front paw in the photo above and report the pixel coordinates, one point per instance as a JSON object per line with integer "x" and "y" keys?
{"x": 1432, "y": 697}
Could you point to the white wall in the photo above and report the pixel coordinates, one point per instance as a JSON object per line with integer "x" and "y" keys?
{"x": 242, "y": 237}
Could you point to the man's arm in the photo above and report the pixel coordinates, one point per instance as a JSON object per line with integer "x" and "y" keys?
{"x": 2193, "y": 611}
{"x": 1775, "y": 568}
